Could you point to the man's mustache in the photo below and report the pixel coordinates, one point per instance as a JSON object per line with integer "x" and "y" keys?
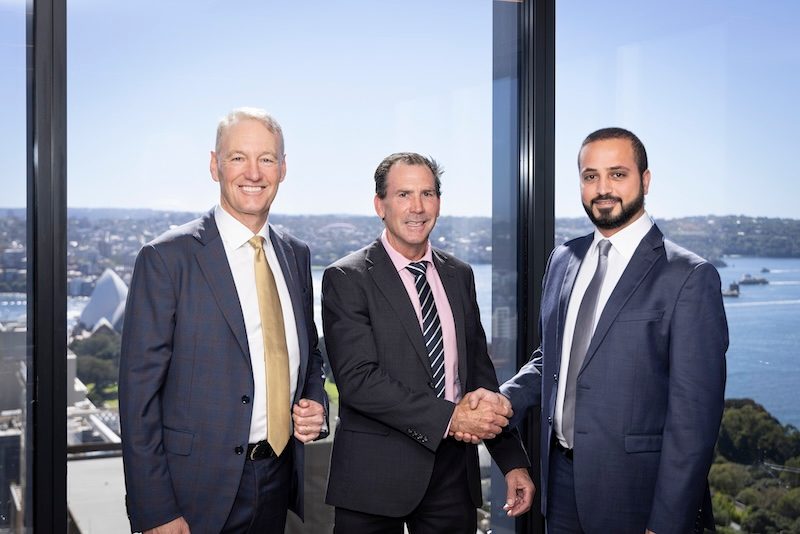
{"x": 600, "y": 198}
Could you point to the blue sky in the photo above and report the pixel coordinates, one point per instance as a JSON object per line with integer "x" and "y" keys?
{"x": 708, "y": 86}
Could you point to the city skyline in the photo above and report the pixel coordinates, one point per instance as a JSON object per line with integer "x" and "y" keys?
{"x": 710, "y": 96}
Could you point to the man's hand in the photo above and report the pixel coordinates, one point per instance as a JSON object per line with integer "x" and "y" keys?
{"x": 482, "y": 418}
{"x": 308, "y": 416}
{"x": 499, "y": 403}
{"x": 519, "y": 492}
{"x": 176, "y": 526}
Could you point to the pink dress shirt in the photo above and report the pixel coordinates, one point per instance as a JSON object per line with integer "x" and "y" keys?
{"x": 452, "y": 385}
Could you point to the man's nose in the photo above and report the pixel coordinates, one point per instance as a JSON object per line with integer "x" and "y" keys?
{"x": 251, "y": 172}
{"x": 603, "y": 185}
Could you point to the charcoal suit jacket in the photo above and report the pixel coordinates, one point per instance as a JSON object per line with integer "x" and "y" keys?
{"x": 391, "y": 421}
{"x": 649, "y": 394}
{"x": 186, "y": 382}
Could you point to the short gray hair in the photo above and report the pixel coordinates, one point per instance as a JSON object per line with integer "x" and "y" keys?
{"x": 257, "y": 114}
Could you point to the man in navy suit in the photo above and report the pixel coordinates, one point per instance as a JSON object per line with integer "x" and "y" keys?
{"x": 630, "y": 374}
{"x": 199, "y": 451}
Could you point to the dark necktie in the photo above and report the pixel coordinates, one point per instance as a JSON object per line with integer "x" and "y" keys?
{"x": 584, "y": 327}
{"x": 431, "y": 326}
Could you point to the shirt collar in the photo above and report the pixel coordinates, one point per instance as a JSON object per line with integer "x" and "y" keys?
{"x": 626, "y": 240}
{"x": 233, "y": 233}
{"x": 401, "y": 262}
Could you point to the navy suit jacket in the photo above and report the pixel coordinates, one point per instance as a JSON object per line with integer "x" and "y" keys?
{"x": 650, "y": 393}
{"x": 186, "y": 383}
{"x": 391, "y": 421}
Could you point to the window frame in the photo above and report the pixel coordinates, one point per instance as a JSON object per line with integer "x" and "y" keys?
{"x": 46, "y": 388}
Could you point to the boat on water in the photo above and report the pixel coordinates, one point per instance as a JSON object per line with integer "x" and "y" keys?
{"x": 749, "y": 280}
{"x": 732, "y": 291}
{"x": 764, "y": 270}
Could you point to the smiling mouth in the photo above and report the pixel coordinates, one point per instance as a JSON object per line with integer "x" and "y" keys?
{"x": 604, "y": 203}
{"x": 252, "y": 188}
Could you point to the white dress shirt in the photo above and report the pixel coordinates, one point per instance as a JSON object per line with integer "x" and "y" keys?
{"x": 623, "y": 245}
{"x": 241, "y": 258}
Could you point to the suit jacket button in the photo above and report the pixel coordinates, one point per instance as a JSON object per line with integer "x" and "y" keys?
{"x": 555, "y": 377}
{"x": 239, "y": 450}
{"x": 245, "y": 399}
{"x": 549, "y": 419}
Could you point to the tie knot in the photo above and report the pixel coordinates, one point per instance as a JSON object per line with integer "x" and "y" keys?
{"x": 257, "y": 242}
{"x": 418, "y": 268}
{"x": 604, "y": 246}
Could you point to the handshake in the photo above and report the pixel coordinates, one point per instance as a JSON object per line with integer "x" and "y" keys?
{"x": 481, "y": 414}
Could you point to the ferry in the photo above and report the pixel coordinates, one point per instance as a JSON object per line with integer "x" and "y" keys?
{"x": 749, "y": 280}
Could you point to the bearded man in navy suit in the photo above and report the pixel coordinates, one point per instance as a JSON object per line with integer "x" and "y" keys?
{"x": 630, "y": 374}
{"x": 201, "y": 453}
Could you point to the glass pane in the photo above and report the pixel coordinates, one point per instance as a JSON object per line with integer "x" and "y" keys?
{"x": 711, "y": 90}
{"x": 350, "y": 83}
{"x": 14, "y": 353}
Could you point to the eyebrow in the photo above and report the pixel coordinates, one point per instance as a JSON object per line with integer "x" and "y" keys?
{"x": 613, "y": 168}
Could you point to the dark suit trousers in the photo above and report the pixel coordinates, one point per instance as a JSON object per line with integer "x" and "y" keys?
{"x": 446, "y": 506}
{"x": 262, "y": 501}
{"x": 562, "y": 510}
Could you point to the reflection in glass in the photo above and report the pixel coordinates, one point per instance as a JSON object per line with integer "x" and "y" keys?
{"x": 713, "y": 97}
{"x": 14, "y": 353}
{"x": 349, "y": 86}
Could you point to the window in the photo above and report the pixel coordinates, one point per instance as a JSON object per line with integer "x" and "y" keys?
{"x": 350, "y": 83}
{"x": 14, "y": 353}
{"x": 710, "y": 89}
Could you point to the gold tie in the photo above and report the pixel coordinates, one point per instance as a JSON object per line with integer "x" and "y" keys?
{"x": 276, "y": 356}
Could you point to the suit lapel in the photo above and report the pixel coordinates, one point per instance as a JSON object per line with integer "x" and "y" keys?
{"x": 217, "y": 272}
{"x": 577, "y": 253}
{"x": 288, "y": 263}
{"x": 447, "y": 274}
{"x": 388, "y": 282}
{"x": 646, "y": 255}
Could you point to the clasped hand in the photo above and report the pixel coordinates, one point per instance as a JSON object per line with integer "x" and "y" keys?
{"x": 308, "y": 417}
{"x": 481, "y": 414}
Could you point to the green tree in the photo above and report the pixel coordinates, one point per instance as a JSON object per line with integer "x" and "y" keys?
{"x": 765, "y": 522}
{"x": 103, "y": 345}
{"x": 729, "y": 477}
{"x": 749, "y": 434}
{"x": 792, "y": 479}
{"x": 789, "y": 505}
{"x": 101, "y": 373}
{"x": 724, "y": 509}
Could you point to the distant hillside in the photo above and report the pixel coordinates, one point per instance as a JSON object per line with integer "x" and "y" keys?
{"x": 713, "y": 237}
{"x": 332, "y": 236}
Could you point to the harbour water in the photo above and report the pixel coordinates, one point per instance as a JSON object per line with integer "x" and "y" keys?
{"x": 764, "y": 328}
{"x": 764, "y": 325}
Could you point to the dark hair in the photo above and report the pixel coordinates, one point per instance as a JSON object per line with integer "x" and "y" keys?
{"x": 409, "y": 158}
{"x": 639, "y": 153}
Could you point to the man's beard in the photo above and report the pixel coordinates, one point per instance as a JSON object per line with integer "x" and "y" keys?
{"x": 607, "y": 220}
